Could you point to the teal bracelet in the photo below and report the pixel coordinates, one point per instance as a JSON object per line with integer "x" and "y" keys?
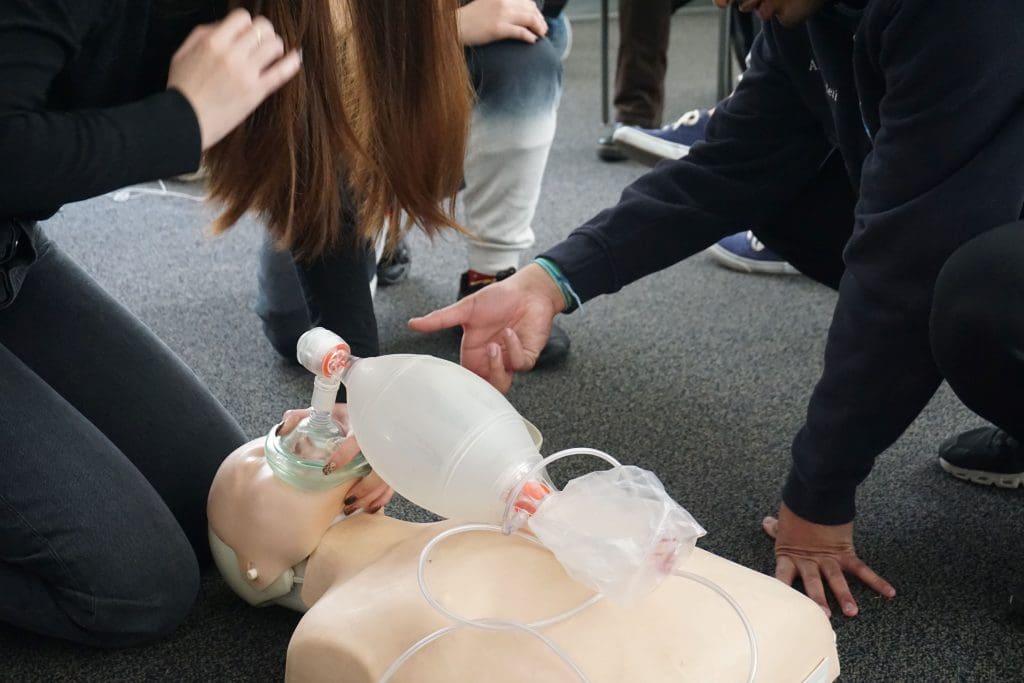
{"x": 572, "y": 300}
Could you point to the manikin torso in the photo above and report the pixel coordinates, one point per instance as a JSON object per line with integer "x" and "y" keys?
{"x": 364, "y": 607}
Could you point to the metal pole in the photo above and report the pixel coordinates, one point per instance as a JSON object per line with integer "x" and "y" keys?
{"x": 724, "y": 55}
{"x": 604, "y": 62}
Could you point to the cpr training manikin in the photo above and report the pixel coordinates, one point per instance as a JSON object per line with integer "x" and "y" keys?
{"x": 600, "y": 581}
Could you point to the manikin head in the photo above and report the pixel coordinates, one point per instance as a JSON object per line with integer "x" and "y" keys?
{"x": 788, "y": 12}
{"x": 262, "y": 527}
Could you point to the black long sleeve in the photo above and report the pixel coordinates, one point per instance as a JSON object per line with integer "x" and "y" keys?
{"x": 82, "y": 105}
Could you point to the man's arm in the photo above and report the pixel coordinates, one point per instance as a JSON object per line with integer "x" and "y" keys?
{"x": 945, "y": 167}
{"x": 764, "y": 145}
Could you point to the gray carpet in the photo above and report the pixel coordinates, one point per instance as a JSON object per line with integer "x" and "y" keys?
{"x": 697, "y": 373}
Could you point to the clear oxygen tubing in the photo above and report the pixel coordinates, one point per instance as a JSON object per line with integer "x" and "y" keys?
{"x": 127, "y": 193}
{"x": 461, "y": 622}
{"x": 747, "y": 626}
{"x": 508, "y": 528}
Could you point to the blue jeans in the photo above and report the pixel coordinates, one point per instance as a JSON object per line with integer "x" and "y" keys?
{"x": 518, "y": 86}
{"x": 110, "y": 444}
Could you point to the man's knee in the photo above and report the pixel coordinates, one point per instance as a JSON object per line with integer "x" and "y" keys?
{"x": 516, "y": 77}
{"x": 973, "y": 326}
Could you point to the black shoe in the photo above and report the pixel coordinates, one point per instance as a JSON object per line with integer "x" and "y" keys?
{"x": 394, "y": 268}
{"x": 986, "y": 455}
{"x": 607, "y": 150}
{"x": 555, "y": 350}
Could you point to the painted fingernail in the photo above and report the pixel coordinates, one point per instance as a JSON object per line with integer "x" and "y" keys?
{"x": 349, "y": 510}
{"x": 330, "y": 467}
{"x": 350, "y": 500}
{"x": 374, "y": 509}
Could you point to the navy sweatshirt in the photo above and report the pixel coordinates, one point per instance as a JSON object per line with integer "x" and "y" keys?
{"x": 924, "y": 100}
{"x": 84, "y": 107}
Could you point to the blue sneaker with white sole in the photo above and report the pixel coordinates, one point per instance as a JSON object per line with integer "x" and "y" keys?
{"x": 651, "y": 145}
{"x": 747, "y": 254}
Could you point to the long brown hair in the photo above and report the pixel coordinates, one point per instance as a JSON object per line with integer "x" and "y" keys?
{"x": 374, "y": 125}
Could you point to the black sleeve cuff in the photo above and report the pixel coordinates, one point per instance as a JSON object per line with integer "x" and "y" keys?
{"x": 585, "y": 264}
{"x": 177, "y": 145}
{"x": 820, "y": 506}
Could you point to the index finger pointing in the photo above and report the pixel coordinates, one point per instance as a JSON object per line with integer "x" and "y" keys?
{"x": 449, "y": 316}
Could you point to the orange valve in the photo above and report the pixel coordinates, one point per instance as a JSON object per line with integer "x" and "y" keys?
{"x": 530, "y": 497}
{"x": 336, "y": 359}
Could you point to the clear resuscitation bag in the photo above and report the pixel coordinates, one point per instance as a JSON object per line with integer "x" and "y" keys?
{"x": 616, "y": 531}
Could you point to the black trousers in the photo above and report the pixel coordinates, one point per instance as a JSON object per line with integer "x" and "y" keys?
{"x": 977, "y": 316}
{"x": 109, "y": 446}
{"x": 643, "y": 56}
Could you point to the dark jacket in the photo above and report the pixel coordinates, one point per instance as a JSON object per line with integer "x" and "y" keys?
{"x": 925, "y": 102}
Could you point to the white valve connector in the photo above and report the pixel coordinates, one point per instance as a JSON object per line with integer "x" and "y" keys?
{"x": 323, "y": 353}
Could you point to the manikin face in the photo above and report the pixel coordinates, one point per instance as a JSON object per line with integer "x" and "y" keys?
{"x": 788, "y": 12}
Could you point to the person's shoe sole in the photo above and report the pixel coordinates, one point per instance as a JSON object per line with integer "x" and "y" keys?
{"x": 1003, "y": 481}
{"x": 731, "y": 261}
{"x": 646, "y": 149}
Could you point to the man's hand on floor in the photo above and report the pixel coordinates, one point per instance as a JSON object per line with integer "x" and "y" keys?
{"x": 813, "y": 551}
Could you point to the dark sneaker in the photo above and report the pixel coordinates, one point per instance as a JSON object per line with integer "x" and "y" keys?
{"x": 747, "y": 254}
{"x": 607, "y": 150}
{"x": 986, "y": 455}
{"x": 557, "y": 348}
{"x": 394, "y": 268}
{"x": 651, "y": 145}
